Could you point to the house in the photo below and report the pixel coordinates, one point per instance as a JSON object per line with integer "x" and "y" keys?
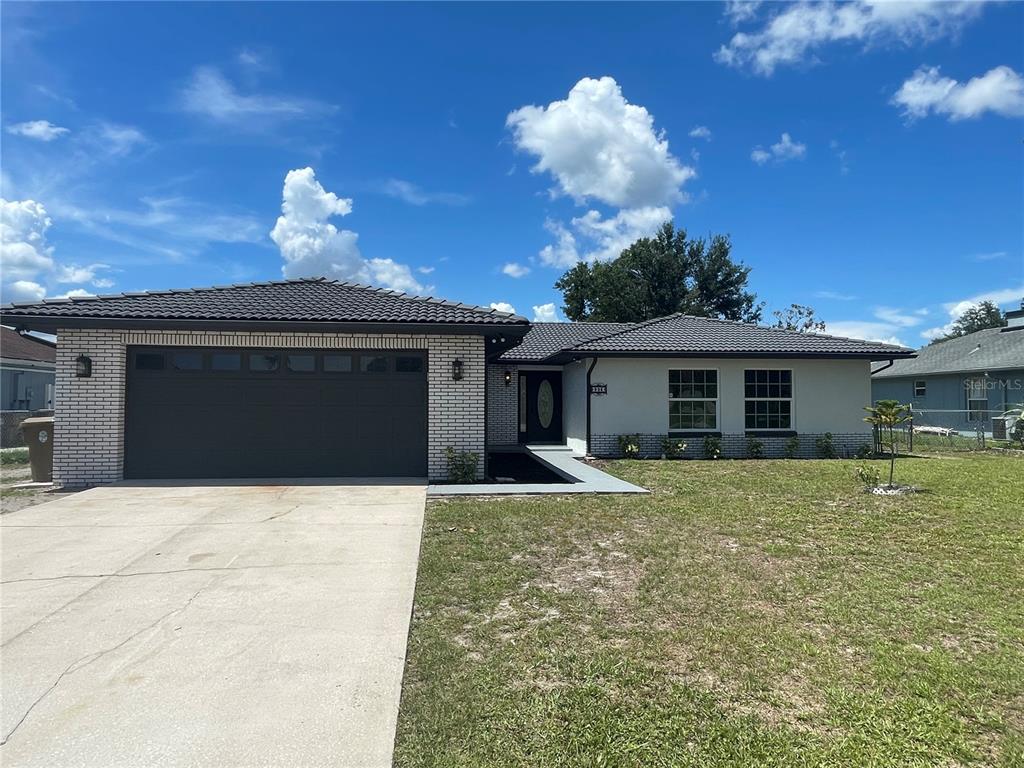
{"x": 27, "y": 367}
{"x": 315, "y": 377}
{"x": 962, "y": 383}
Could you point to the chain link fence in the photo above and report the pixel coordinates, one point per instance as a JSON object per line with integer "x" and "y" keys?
{"x": 951, "y": 430}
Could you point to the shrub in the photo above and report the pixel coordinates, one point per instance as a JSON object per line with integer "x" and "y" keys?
{"x": 755, "y": 448}
{"x": 629, "y": 446}
{"x": 1017, "y": 432}
{"x": 864, "y": 452}
{"x": 14, "y": 456}
{"x": 672, "y": 447}
{"x": 792, "y": 447}
{"x": 826, "y": 448}
{"x": 870, "y": 476}
{"x": 712, "y": 447}
{"x": 461, "y": 465}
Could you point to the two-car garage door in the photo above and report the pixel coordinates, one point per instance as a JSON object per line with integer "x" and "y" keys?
{"x": 195, "y": 413}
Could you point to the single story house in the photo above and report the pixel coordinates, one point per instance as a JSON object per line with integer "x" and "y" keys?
{"x": 962, "y": 383}
{"x": 315, "y": 377}
{"x": 27, "y": 371}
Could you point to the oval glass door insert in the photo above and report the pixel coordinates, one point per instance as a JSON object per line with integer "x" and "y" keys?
{"x": 545, "y": 404}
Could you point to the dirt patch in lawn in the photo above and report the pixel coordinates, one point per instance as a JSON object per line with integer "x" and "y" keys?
{"x": 601, "y": 569}
{"x": 12, "y": 499}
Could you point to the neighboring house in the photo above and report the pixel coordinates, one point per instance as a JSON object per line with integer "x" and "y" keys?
{"x": 27, "y": 367}
{"x": 960, "y": 383}
{"x": 315, "y": 377}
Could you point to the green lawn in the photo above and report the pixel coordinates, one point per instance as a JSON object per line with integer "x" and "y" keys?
{"x": 745, "y": 613}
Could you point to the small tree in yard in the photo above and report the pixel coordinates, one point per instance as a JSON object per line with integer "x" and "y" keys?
{"x": 886, "y": 416}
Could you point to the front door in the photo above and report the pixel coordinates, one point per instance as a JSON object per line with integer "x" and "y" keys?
{"x": 540, "y": 407}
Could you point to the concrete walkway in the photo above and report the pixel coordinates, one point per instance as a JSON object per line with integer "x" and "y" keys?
{"x": 218, "y": 624}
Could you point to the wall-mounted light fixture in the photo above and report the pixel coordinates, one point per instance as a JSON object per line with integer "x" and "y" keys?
{"x": 456, "y": 370}
{"x": 83, "y": 367}
{"x": 508, "y": 378}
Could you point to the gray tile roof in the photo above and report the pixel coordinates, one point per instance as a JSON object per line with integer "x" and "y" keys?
{"x": 687, "y": 335}
{"x": 307, "y": 299}
{"x": 546, "y": 339}
{"x": 989, "y": 350}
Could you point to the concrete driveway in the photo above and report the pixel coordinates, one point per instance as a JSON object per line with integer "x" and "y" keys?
{"x": 217, "y": 624}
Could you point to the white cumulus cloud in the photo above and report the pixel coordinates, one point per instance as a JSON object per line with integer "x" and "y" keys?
{"x": 312, "y": 246}
{"x": 40, "y": 130}
{"x": 781, "y": 151}
{"x": 25, "y": 251}
{"x": 597, "y": 145}
{"x": 503, "y": 306}
{"x": 545, "y": 313}
{"x": 1000, "y": 90}
{"x": 864, "y": 330}
{"x": 594, "y": 237}
{"x": 701, "y": 132}
{"x": 27, "y": 263}
{"x": 514, "y": 269}
{"x": 73, "y": 273}
{"x": 798, "y": 31}
{"x": 23, "y": 290}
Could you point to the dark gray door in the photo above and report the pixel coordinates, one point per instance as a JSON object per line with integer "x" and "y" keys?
{"x": 194, "y": 413}
{"x": 541, "y": 394}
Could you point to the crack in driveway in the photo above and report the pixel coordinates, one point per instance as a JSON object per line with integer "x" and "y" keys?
{"x": 91, "y": 658}
{"x": 120, "y": 575}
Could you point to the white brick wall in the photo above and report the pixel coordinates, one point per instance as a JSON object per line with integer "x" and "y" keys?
{"x": 89, "y": 428}
{"x": 502, "y": 405}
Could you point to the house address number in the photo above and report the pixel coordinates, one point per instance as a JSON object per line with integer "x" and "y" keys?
{"x": 599, "y": 389}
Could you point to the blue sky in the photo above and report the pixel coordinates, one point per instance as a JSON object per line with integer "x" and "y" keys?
{"x": 866, "y": 159}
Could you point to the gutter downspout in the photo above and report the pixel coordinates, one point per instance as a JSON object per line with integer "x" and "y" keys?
{"x": 887, "y": 365}
{"x": 590, "y": 369}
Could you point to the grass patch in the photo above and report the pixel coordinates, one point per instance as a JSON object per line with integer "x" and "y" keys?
{"x": 13, "y": 456}
{"x": 744, "y": 613}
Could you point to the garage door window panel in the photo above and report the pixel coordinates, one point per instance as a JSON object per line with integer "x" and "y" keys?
{"x": 373, "y": 364}
{"x": 337, "y": 363}
{"x": 187, "y": 361}
{"x": 301, "y": 363}
{"x": 149, "y": 361}
{"x": 408, "y": 364}
{"x": 264, "y": 363}
{"x": 226, "y": 361}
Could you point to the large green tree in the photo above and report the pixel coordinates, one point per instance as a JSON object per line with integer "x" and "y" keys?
{"x": 979, "y": 317}
{"x": 660, "y": 275}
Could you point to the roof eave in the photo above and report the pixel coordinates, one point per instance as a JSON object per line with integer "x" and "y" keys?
{"x": 574, "y": 354}
{"x": 53, "y": 323}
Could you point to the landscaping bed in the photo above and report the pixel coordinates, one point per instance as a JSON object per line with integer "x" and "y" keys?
{"x": 743, "y": 613}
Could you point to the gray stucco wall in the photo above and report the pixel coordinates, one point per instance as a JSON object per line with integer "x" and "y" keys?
{"x": 574, "y": 405}
{"x": 828, "y": 395}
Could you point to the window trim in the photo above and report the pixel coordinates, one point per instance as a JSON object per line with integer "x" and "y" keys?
{"x": 920, "y": 387}
{"x": 716, "y": 400}
{"x": 969, "y": 389}
{"x": 791, "y": 400}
